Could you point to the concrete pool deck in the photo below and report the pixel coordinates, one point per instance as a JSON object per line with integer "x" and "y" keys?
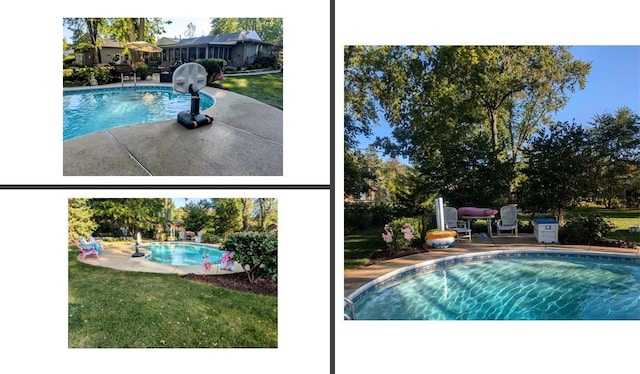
{"x": 245, "y": 139}
{"x": 118, "y": 257}
{"x": 355, "y": 278}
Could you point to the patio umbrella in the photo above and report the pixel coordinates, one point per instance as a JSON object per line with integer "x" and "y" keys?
{"x": 143, "y": 47}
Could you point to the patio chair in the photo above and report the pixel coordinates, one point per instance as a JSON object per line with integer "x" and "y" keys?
{"x": 508, "y": 219}
{"x": 452, "y": 222}
{"x": 87, "y": 243}
{"x": 86, "y": 250}
{"x": 100, "y": 243}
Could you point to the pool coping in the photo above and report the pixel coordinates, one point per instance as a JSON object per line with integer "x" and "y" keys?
{"x": 245, "y": 139}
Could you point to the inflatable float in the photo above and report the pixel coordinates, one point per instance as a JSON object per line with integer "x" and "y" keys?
{"x": 476, "y": 212}
{"x": 189, "y": 78}
{"x": 441, "y": 238}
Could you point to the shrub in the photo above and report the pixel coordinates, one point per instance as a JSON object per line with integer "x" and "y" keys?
{"x": 585, "y": 229}
{"x": 213, "y": 66}
{"x": 230, "y": 69}
{"x": 256, "y": 252}
{"x": 142, "y": 70}
{"x": 211, "y": 237}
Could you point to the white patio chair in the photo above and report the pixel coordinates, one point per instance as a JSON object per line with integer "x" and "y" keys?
{"x": 508, "y": 219}
{"x": 453, "y": 223}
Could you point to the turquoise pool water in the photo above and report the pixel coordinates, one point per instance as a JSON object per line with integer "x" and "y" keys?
{"x": 92, "y": 110}
{"x": 188, "y": 254}
{"x": 536, "y": 286}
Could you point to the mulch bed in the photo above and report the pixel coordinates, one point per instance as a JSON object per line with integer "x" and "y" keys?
{"x": 237, "y": 282}
{"x": 383, "y": 254}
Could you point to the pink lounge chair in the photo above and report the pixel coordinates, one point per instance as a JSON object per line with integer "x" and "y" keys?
{"x": 86, "y": 250}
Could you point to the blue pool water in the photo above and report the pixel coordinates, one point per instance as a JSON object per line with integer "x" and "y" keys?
{"x": 190, "y": 254}
{"x": 535, "y": 287}
{"x": 91, "y": 110}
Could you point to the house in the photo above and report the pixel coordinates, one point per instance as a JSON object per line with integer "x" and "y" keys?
{"x": 110, "y": 52}
{"x": 238, "y": 48}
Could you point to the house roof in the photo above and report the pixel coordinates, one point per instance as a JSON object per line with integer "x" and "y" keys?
{"x": 220, "y": 39}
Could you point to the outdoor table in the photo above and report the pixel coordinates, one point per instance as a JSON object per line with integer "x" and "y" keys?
{"x": 487, "y": 218}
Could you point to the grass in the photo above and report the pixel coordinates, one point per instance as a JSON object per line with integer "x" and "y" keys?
{"x": 359, "y": 247}
{"x": 118, "y": 309}
{"x": 266, "y": 88}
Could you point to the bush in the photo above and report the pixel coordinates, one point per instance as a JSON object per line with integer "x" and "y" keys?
{"x": 230, "y": 69}
{"x": 213, "y": 66}
{"x": 211, "y": 237}
{"x": 256, "y": 252}
{"x": 585, "y": 229}
{"x": 142, "y": 70}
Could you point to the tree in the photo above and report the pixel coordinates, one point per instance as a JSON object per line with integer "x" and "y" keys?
{"x": 266, "y": 212}
{"x": 191, "y": 30}
{"x": 247, "y": 207}
{"x": 92, "y": 28}
{"x": 561, "y": 166}
{"x": 197, "y": 215}
{"x": 227, "y": 216}
{"x": 617, "y": 145}
{"x": 448, "y": 105}
{"x": 269, "y": 29}
{"x": 132, "y": 214}
{"x": 80, "y": 219}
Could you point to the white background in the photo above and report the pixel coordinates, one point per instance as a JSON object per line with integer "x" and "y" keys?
{"x": 478, "y": 347}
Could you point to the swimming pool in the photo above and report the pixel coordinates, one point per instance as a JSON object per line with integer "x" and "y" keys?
{"x": 506, "y": 285}
{"x": 186, "y": 254}
{"x": 90, "y": 110}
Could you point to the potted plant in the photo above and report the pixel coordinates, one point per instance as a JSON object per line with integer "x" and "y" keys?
{"x": 142, "y": 71}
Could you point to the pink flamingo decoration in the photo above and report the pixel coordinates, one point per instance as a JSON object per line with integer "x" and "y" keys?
{"x": 206, "y": 263}
{"x": 407, "y": 230}
{"x": 387, "y": 236}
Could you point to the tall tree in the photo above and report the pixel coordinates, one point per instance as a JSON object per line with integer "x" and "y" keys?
{"x": 79, "y": 219}
{"x": 617, "y": 144}
{"x": 269, "y": 29}
{"x": 266, "y": 212}
{"x": 227, "y": 217}
{"x": 191, "y": 30}
{"x": 447, "y": 105}
{"x": 560, "y": 171}
{"x": 132, "y": 214}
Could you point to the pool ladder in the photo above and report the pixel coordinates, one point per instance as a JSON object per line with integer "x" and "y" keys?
{"x": 135, "y": 81}
{"x": 352, "y": 314}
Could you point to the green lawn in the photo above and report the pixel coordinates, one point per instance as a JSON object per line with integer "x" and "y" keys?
{"x": 359, "y": 247}
{"x": 263, "y": 87}
{"x": 118, "y": 309}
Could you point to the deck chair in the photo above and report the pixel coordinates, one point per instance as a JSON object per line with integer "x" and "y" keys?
{"x": 100, "y": 243}
{"x": 508, "y": 219}
{"x": 87, "y": 243}
{"x": 452, "y": 222}
{"x": 86, "y": 250}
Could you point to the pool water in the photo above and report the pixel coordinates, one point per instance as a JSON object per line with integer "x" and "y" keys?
{"x": 186, "y": 254}
{"x": 88, "y": 111}
{"x": 510, "y": 289}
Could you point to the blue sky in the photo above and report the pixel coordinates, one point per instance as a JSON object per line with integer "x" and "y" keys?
{"x": 614, "y": 82}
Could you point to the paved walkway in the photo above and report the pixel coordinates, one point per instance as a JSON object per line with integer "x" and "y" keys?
{"x": 245, "y": 139}
{"x": 118, "y": 256}
{"x": 353, "y": 279}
